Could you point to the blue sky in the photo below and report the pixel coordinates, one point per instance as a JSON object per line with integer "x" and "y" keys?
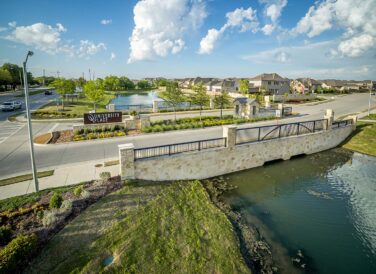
{"x": 188, "y": 38}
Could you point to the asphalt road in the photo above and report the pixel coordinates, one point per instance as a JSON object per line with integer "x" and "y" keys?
{"x": 14, "y": 151}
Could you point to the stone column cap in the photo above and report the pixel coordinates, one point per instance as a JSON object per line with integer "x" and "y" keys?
{"x": 230, "y": 126}
{"x": 126, "y": 146}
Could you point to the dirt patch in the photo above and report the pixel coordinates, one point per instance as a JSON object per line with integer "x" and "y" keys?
{"x": 65, "y": 136}
{"x": 43, "y": 139}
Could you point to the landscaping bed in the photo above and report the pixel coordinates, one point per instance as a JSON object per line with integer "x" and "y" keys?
{"x": 27, "y": 222}
{"x": 196, "y": 122}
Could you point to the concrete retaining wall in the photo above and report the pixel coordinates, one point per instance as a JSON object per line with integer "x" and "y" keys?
{"x": 290, "y": 97}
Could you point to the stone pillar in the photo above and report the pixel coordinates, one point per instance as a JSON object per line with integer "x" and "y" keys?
{"x": 355, "y": 120}
{"x": 329, "y": 115}
{"x": 229, "y": 132}
{"x": 280, "y": 106}
{"x": 267, "y": 103}
{"x": 142, "y": 122}
{"x": 155, "y": 106}
{"x": 126, "y": 159}
{"x": 211, "y": 103}
{"x": 111, "y": 107}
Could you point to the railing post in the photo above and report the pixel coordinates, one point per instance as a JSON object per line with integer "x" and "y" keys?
{"x": 229, "y": 132}
{"x": 314, "y": 126}
{"x": 298, "y": 129}
{"x": 126, "y": 160}
{"x": 169, "y": 150}
{"x": 259, "y": 133}
{"x": 279, "y": 133}
{"x": 199, "y": 145}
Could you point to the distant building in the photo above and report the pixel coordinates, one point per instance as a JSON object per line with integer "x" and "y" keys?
{"x": 270, "y": 82}
{"x": 310, "y": 85}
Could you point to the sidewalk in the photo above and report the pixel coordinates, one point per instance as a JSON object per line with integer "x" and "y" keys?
{"x": 63, "y": 176}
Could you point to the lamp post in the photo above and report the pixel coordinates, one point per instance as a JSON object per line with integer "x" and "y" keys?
{"x": 369, "y": 100}
{"x": 26, "y": 86}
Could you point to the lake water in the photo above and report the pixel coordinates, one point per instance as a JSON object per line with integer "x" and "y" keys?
{"x": 324, "y": 204}
{"x": 140, "y": 98}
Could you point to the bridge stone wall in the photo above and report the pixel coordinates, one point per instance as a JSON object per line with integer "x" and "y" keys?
{"x": 232, "y": 158}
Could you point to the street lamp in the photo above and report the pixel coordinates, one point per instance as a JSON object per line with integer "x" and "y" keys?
{"x": 369, "y": 100}
{"x": 26, "y": 86}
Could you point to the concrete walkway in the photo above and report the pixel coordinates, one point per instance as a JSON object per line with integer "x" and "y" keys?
{"x": 63, "y": 176}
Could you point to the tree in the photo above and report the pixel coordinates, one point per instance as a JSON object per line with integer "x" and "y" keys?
{"x": 94, "y": 91}
{"x": 200, "y": 97}
{"x": 125, "y": 83}
{"x": 143, "y": 84}
{"x": 244, "y": 86}
{"x": 111, "y": 83}
{"x": 81, "y": 82}
{"x": 5, "y": 78}
{"x": 222, "y": 101}
{"x": 161, "y": 82}
{"x": 64, "y": 87}
{"x": 173, "y": 95}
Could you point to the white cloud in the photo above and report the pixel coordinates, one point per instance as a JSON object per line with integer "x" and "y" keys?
{"x": 39, "y": 35}
{"x": 160, "y": 27}
{"x": 273, "y": 10}
{"x": 282, "y": 57}
{"x": 12, "y": 24}
{"x": 355, "y": 17}
{"x": 88, "y": 48}
{"x": 61, "y": 28}
{"x": 106, "y": 21}
{"x": 244, "y": 19}
{"x": 113, "y": 56}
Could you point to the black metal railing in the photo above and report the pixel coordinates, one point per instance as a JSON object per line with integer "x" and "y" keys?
{"x": 286, "y": 111}
{"x": 257, "y": 134}
{"x": 149, "y": 152}
{"x": 343, "y": 123}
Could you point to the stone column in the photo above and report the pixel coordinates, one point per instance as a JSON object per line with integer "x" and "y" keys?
{"x": 211, "y": 103}
{"x": 126, "y": 159}
{"x": 144, "y": 122}
{"x": 111, "y": 107}
{"x": 229, "y": 132}
{"x": 155, "y": 106}
{"x": 280, "y": 106}
{"x": 329, "y": 115}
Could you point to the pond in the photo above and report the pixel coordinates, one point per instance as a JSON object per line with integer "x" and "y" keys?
{"x": 145, "y": 98}
{"x": 323, "y": 204}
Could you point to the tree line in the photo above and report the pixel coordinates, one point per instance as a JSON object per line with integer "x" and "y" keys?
{"x": 11, "y": 76}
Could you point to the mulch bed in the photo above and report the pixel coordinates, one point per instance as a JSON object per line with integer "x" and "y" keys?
{"x": 30, "y": 222}
{"x": 66, "y": 136}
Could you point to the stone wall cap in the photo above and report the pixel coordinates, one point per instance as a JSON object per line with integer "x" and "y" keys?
{"x": 126, "y": 146}
{"x": 230, "y": 126}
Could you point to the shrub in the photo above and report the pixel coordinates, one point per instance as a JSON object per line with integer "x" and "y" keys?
{"x": 66, "y": 206}
{"x": 78, "y": 190}
{"x": 105, "y": 175}
{"x": 56, "y": 200}
{"x": 87, "y": 131}
{"x": 85, "y": 194}
{"x": 50, "y": 217}
{"x": 5, "y": 234}
{"x": 157, "y": 128}
{"x": 116, "y": 127}
{"x": 120, "y": 133}
{"x": 17, "y": 253}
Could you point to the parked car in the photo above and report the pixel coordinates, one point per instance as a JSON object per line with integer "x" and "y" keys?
{"x": 11, "y": 105}
{"x": 48, "y": 92}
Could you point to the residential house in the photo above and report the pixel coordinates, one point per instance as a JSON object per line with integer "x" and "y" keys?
{"x": 270, "y": 82}
{"x": 298, "y": 87}
{"x": 310, "y": 85}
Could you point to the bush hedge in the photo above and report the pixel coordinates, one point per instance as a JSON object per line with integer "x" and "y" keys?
{"x": 5, "y": 234}
{"x": 56, "y": 200}
{"x": 206, "y": 121}
{"x": 17, "y": 253}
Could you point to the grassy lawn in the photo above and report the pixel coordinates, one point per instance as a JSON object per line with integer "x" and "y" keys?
{"x": 72, "y": 109}
{"x": 370, "y": 117}
{"x": 363, "y": 139}
{"x": 25, "y": 177}
{"x": 147, "y": 228}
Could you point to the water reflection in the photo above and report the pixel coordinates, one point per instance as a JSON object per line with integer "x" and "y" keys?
{"x": 324, "y": 203}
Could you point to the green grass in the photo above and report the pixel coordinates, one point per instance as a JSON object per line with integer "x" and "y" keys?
{"x": 77, "y": 108}
{"x": 363, "y": 140}
{"x": 370, "y": 117}
{"x": 19, "y": 201}
{"x": 179, "y": 231}
{"x": 31, "y": 93}
{"x": 25, "y": 177}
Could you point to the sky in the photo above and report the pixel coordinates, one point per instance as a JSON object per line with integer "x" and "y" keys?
{"x": 188, "y": 38}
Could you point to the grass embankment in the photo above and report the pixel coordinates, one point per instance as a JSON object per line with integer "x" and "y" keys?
{"x": 363, "y": 139}
{"x": 72, "y": 109}
{"x": 25, "y": 177}
{"x": 194, "y": 122}
{"x": 370, "y": 117}
{"x": 180, "y": 231}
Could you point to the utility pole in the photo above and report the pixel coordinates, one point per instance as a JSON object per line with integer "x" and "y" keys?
{"x": 44, "y": 77}
{"x": 58, "y": 74}
{"x": 94, "y": 75}
{"x": 89, "y": 75}
{"x": 29, "y": 125}
{"x": 369, "y": 100}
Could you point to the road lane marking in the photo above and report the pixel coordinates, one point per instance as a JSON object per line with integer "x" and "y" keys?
{"x": 3, "y": 139}
{"x": 52, "y": 129}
